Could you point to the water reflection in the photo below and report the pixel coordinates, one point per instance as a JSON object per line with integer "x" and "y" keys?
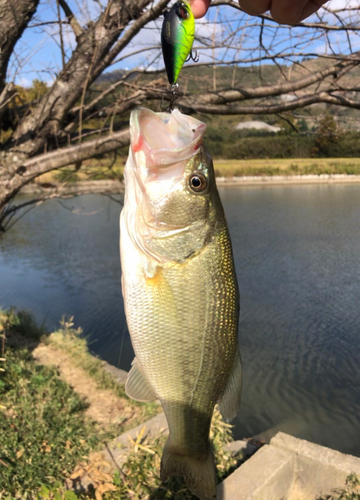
{"x": 297, "y": 257}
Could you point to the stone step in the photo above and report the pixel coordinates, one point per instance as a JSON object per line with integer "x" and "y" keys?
{"x": 289, "y": 468}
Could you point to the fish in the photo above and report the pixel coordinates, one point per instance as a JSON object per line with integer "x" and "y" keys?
{"x": 177, "y": 38}
{"x": 180, "y": 290}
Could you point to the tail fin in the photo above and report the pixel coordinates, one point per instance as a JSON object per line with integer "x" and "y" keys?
{"x": 199, "y": 473}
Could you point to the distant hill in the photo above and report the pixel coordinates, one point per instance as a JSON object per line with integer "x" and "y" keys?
{"x": 226, "y": 139}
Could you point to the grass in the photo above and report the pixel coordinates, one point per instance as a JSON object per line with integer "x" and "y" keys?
{"x": 45, "y": 434}
{"x": 74, "y": 344}
{"x": 291, "y": 166}
{"x": 106, "y": 169}
{"x": 139, "y": 477}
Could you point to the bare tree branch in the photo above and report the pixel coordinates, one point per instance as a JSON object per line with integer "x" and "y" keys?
{"x": 74, "y": 118}
{"x": 14, "y": 18}
{"x": 71, "y": 18}
{"x": 29, "y": 170}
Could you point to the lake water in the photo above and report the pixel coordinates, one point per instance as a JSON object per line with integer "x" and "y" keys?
{"x": 297, "y": 254}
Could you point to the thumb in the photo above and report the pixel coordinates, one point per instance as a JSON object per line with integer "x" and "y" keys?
{"x": 199, "y": 7}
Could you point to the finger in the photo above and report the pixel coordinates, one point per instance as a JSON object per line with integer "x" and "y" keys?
{"x": 255, "y": 7}
{"x": 291, "y": 12}
{"x": 287, "y": 11}
{"x": 199, "y": 7}
{"x": 311, "y": 7}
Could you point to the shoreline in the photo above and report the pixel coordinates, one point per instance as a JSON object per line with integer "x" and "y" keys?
{"x": 113, "y": 186}
{"x": 267, "y": 180}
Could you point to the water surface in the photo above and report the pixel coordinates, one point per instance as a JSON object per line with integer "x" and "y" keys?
{"x": 297, "y": 254}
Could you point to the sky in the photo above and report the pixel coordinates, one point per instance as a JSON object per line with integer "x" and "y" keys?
{"x": 38, "y": 54}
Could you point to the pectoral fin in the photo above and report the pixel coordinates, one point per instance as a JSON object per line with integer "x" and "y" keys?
{"x": 229, "y": 403}
{"x": 137, "y": 387}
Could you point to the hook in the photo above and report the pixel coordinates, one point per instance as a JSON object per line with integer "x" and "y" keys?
{"x": 194, "y": 55}
{"x": 174, "y": 96}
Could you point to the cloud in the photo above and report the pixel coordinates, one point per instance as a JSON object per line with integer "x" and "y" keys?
{"x": 23, "y": 82}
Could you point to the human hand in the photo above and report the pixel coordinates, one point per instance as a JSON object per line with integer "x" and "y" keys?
{"x": 282, "y": 11}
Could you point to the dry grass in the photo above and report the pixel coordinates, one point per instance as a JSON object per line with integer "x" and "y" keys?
{"x": 104, "y": 169}
{"x": 291, "y": 166}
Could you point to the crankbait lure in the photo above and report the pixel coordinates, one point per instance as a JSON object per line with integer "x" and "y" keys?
{"x": 177, "y": 38}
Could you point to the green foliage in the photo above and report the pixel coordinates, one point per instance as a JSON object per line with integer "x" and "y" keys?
{"x": 278, "y": 146}
{"x": 12, "y": 323}
{"x": 43, "y": 431}
{"x": 68, "y": 175}
{"x": 350, "y": 492}
{"x": 328, "y": 134}
{"x": 21, "y": 322}
{"x": 8, "y": 319}
{"x": 29, "y": 94}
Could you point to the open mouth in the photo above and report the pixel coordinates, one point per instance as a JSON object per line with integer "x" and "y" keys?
{"x": 165, "y": 138}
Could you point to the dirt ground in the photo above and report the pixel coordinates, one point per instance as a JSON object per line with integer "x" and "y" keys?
{"x": 104, "y": 406}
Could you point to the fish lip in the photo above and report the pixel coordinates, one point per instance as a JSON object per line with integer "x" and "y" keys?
{"x": 164, "y": 157}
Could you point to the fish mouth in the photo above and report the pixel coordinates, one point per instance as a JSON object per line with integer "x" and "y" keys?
{"x": 165, "y": 138}
{"x": 163, "y": 147}
{"x": 162, "y": 143}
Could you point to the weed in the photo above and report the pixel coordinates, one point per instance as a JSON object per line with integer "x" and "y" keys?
{"x": 140, "y": 475}
{"x": 66, "y": 175}
{"x": 73, "y": 342}
{"x": 350, "y": 492}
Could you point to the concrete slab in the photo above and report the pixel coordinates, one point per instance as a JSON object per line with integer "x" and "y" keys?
{"x": 268, "y": 475}
{"x": 248, "y": 448}
{"x": 318, "y": 469}
{"x": 289, "y": 469}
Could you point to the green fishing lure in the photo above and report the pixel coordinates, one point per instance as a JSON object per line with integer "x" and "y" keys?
{"x": 177, "y": 38}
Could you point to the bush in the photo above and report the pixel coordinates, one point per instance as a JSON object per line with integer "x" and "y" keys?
{"x": 235, "y": 146}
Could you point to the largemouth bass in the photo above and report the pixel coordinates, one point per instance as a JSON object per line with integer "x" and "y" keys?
{"x": 180, "y": 290}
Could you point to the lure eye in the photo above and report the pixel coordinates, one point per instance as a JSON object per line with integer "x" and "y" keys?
{"x": 182, "y": 12}
{"x": 197, "y": 183}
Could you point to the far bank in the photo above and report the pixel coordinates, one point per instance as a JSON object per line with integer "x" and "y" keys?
{"x": 95, "y": 176}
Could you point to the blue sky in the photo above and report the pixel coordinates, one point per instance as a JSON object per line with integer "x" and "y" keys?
{"x": 38, "y": 53}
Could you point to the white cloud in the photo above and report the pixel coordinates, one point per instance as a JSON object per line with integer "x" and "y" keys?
{"x": 23, "y": 82}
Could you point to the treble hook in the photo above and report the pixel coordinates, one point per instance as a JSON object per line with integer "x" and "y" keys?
{"x": 174, "y": 96}
{"x": 194, "y": 55}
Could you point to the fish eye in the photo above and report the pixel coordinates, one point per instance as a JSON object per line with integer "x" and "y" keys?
{"x": 197, "y": 183}
{"x": 182, "y": 12}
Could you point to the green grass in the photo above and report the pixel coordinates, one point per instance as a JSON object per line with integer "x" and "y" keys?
{"x": 74, "y": 344}
{"x": 43, "y": 431}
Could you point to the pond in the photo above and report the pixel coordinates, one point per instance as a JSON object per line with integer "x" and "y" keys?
{"x": 297, "y": 255}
